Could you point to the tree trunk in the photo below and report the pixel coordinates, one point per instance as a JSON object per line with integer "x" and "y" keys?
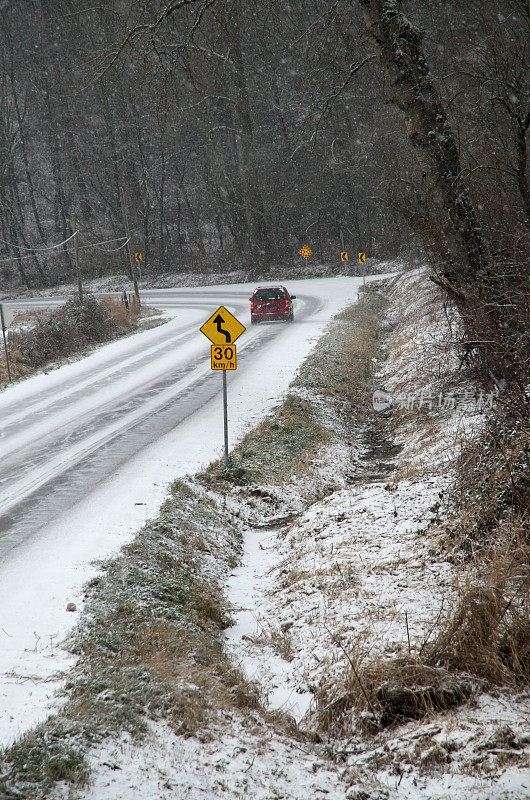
{"x": 253, "y": 202}
{"x": 468, "y": 272}
{"x": 522, "y": 164}
{"x": 399, "y": 47}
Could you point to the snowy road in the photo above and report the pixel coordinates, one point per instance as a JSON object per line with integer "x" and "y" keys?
{"x": 87, "y": 451}
{"x": 63, "y": 433}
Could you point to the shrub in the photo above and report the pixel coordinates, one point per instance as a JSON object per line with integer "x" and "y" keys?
{"x": 68, "y": 330}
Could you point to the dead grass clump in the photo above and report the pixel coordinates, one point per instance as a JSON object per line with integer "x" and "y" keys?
{"x": 17, "y": 366}
{"x": 386, "y": 691}
{"x": 67, "y": 330}
{"x": 488, "y": 634}
{"x": 278, "y": 639}
{"x": 292, "y": 576}
{"x": 124, "y": 316}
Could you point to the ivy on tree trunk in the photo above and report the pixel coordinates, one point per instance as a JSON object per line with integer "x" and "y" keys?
{"x": 468, "y": 272}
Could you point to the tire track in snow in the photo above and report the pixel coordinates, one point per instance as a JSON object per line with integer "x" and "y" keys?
{"x": 66, "y": 441}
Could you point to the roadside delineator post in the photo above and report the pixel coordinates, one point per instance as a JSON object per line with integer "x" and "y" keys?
{"x": 222, "y": 329}
{"x": 4, "y": 334}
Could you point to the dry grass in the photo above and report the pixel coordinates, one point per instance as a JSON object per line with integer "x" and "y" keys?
{"x": 290, "y": 577}
{"x": 66, "y": 330}
{"x": 123, "y": 316}
{"x": 45, "y": 756}
{"x": 69, "y": 330}
{"x": 488, "y": 632}
{"x": 277, "y": 638}
{"x": 18, "y": 367}
{"x": 371, "y": 694}
{"x": 283, "y": 445}
{"x": 343, "y": 364}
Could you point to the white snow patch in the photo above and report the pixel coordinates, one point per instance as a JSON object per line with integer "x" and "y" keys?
{"x": 244, "y": 590}
{"x": 236, "y": 759}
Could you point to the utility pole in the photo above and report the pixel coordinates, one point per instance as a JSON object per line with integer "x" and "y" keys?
{"x": 73, "y": 222}
{"x": 132, "y": 262}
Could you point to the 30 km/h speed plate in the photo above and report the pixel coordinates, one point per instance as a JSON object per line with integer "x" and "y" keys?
{"x": 222, "y": 327}
{"x": 224, "y": 356}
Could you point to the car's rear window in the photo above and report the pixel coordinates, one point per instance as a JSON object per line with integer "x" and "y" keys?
{"x": 269, "y": 294}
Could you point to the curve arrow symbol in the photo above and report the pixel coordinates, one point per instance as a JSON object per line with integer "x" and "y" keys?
{"x": 220, "y": 321}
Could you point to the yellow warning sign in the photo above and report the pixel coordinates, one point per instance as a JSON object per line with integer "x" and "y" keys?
{"x": 224, "y": 356}
{"x": 222, "y": 328}
{"x": 362, "y": 257}
{"x": 305, "y": 251}
{"x": 344, "y": 256}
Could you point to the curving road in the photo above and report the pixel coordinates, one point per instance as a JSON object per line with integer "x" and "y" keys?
{"x": 62, "y": 433}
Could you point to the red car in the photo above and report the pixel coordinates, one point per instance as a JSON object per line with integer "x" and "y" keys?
{"x": 271, "y": 302}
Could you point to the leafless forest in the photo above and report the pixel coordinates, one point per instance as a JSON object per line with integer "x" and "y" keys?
{"x": 238, "y": 131}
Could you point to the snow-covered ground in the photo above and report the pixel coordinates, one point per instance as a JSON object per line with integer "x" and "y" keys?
{"x": 120, "y": 283}
{"x": 88, "y": 451}
{"x": 347, "y": 570}
{"x": 355, "y": 575}
{"x": 235, "y": 760}
{"x": 350, "y": 569}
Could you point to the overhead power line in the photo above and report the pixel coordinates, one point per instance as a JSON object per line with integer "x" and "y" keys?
{"x": 32, "y": 250}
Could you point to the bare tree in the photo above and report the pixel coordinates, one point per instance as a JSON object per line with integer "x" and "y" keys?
{"x": 468, "y": 271}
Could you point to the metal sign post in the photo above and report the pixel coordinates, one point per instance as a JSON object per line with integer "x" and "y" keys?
{"x": 2, "y": 319}
{"x": 362, "y": 259}
{"x": 225, "y": 418}
{"x": 222, "y": 329}
{"x": 224, "y": 357}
